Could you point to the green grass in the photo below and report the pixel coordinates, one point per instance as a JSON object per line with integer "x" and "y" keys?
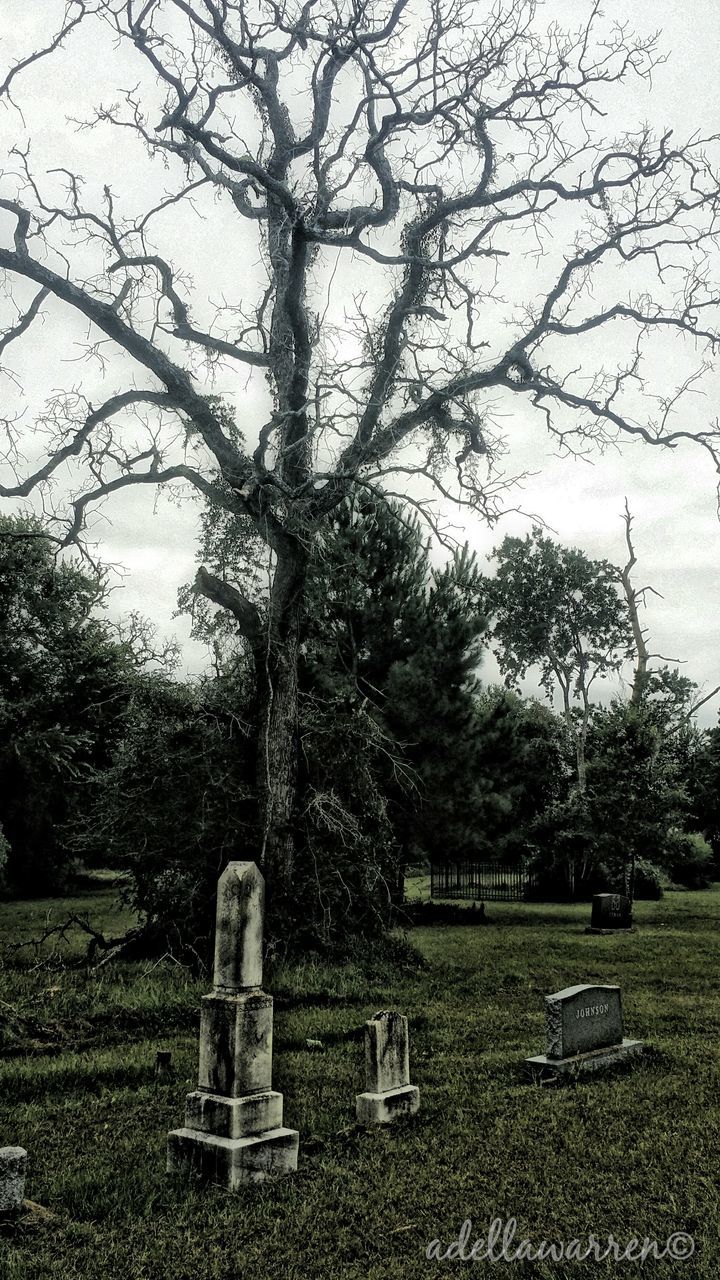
{"x": 634, "y": 1153}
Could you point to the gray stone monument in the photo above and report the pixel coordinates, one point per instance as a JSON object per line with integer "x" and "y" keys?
{"x": 389, "y": 1093}
{"x": 13, "y": 1162}
{"x": 584, "y": 1032}
{"x": 611, "y": 913}
{"x": 233, "y": 1130}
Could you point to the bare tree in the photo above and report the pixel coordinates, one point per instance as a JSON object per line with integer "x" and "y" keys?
{"x": 645, "y": 678}
{"x": 440, "y": 149}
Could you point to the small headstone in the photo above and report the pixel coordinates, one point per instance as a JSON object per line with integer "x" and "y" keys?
{"x": 163, "y": 1060}
{"x": 13, "y": 1163}
{"x": 584, "y": 1031}
{"x": 389, "y": 1093}
{"x": 611, "y": 913}
{"x": 234, "y": 1130}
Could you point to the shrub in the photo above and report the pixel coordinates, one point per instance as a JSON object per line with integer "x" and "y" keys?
{"x": 690, "y": 859}
{"x": 648, "y": 881}
{"x": 4, "y": 855}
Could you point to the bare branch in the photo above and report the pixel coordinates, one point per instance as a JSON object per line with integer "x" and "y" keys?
{"x": 224, "y": 594}
{"x": 75, "y": 11}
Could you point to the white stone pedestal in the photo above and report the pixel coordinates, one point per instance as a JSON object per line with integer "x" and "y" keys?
{"x": 233, "y": 1162}
{"x": 233, "y": 1132}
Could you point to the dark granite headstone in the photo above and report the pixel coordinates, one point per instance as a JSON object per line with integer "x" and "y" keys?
{"x": 580, "y": 1019}
{"x": 584, "y": 1032}
{"x": 610, "y": 911}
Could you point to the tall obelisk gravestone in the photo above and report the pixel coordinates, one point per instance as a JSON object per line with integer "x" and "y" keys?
{"x": 233, "y": 1122}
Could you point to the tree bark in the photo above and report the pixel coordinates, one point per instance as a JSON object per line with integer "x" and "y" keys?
{"x": 276, "y": 666}
{"x": 633, "y": 597}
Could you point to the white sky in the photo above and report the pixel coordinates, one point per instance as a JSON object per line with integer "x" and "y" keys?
{"x": 671, "y": 494}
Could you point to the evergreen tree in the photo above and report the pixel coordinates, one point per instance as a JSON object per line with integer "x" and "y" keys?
{"x": 524, "y": 768}
{"x": 176, "y": 804}
{"x": 63, "y": 684}
{"x": 388, "y": 652}
{"x": 635, "y": 795}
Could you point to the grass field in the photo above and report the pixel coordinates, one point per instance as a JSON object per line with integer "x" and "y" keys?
{"x": 635, "y": 1153}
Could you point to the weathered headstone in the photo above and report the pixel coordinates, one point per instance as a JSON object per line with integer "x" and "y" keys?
{"x": 611, "y": 913}
{"x": 163, "y": 1063}
{"x": 389, "y": 1093}
{"x": 584, "y": 1032}
{"x": 233, "y": 1130}
{"x": 13, "y": 1162}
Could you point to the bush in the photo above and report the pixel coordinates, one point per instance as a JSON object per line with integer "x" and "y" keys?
{"x": 690, "y": 859}
{"x": 175, "y": 806}
{"x": 648, "y": 881}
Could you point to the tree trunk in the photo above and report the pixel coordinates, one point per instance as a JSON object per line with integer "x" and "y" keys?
{"x": 581, "y": 762}
{"x": 276, "y": 665}
{"x": 630, "y": 877}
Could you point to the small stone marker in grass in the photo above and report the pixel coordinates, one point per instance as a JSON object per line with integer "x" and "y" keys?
{"x": 234, "y": 1131}
{"x": 584, "y": 1032}
{"x": 611, "y": 913}
{"x": 163, "y": 1063}
{"x": 389, "y": 1093}
{"x": 13, "y": 1163}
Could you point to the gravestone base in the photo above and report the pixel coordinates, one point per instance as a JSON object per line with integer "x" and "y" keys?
{"x": 544, "y": 1068}
{"x": 243, "y": 1117}
{"x": 383, "y": 1108}
{"x": 233, "y": 1162}
{"x": 607, "y": 933}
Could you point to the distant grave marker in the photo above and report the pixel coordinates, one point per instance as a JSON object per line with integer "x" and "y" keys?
{"x": 584, "y": 1032}
{"x": 611, "y": 913}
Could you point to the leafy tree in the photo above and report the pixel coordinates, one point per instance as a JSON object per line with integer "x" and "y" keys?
{"x": 635, "y": 794}
{"x": 555, "y": 609}
{"x": 703, "y": 783}
{"x": 689, "y": 859}
{"x": 367, "y": 597}
{"x": 424, "y": 143}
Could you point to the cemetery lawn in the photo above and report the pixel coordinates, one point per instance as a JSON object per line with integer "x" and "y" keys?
{"x": 634, "y": 1153}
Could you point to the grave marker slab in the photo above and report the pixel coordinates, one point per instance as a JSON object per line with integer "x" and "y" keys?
{"x": 389, "y": 1093}
{"x": 611, "y": 913}
{"x": 584, "y": 1031}
{"x": 13, "y": 1162}
{"x": 233, "y": 1131}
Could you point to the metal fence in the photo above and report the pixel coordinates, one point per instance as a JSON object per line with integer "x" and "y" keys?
{"x": 481, "y": 881}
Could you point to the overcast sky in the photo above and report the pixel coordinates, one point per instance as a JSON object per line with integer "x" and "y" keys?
{"x": 671, "y": 494}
